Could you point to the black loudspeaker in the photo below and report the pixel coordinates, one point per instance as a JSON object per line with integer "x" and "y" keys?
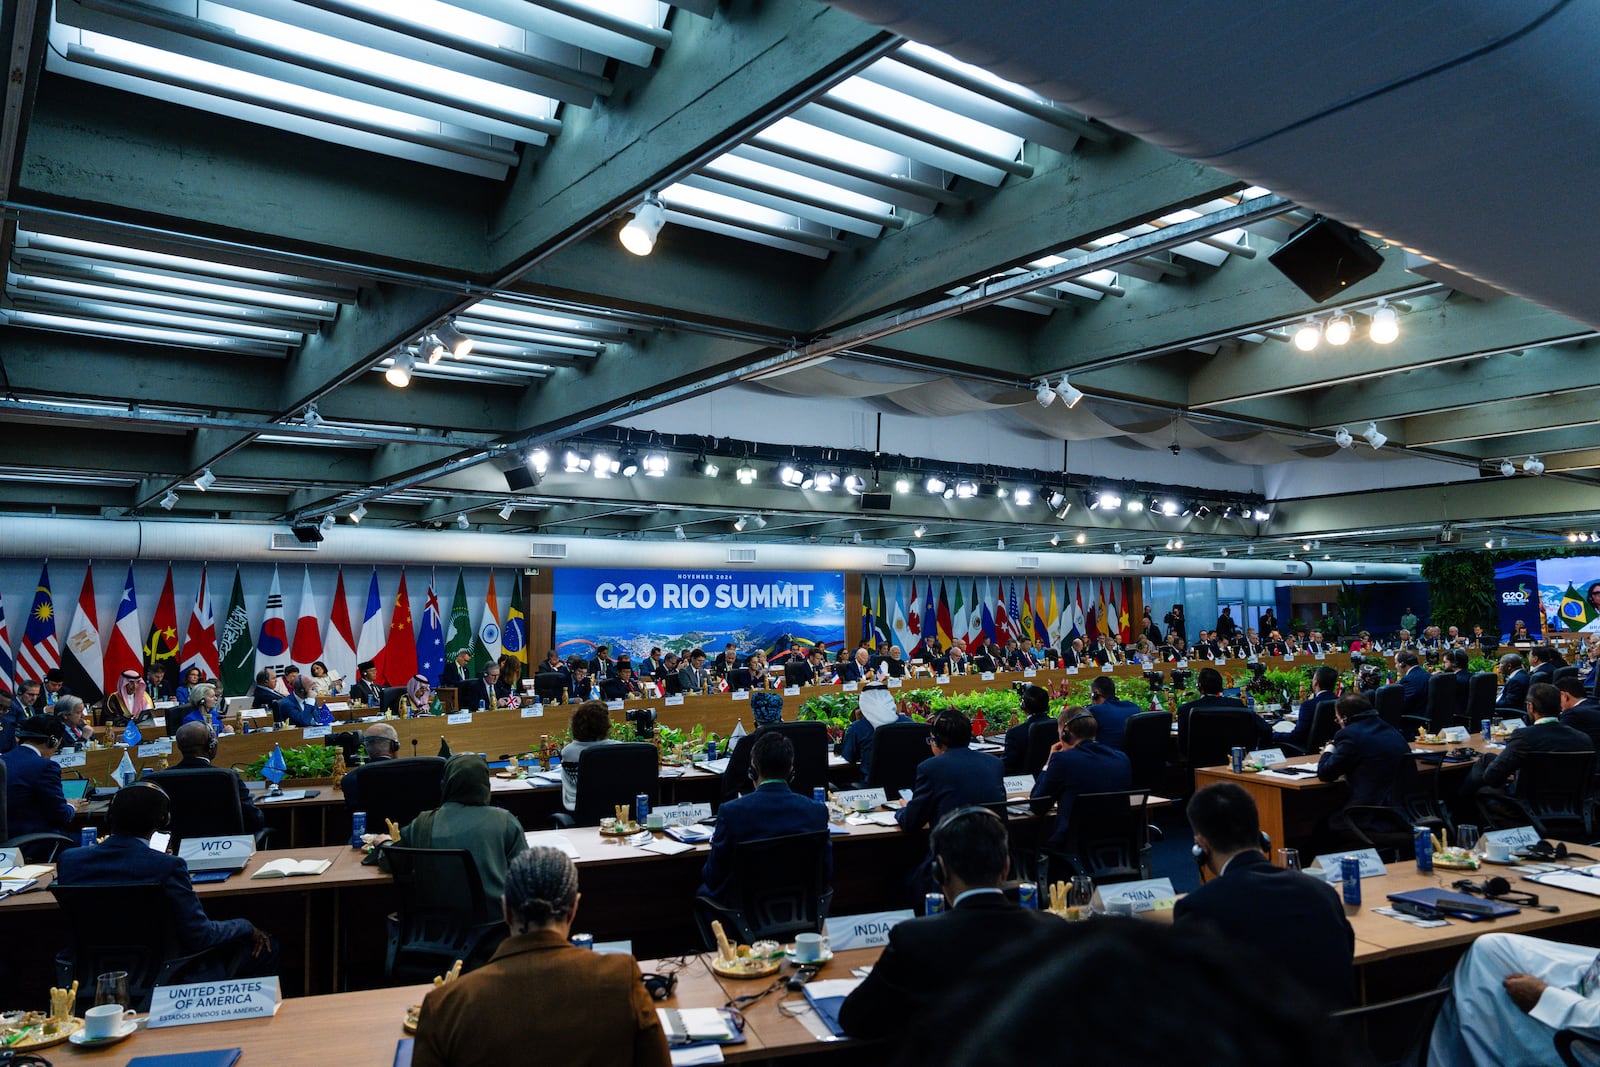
{"x": 877, "y": 501}
{"x": 520, "y": 477}
{"x": 307, "y": 533}
{"x": 1325, "y": 258}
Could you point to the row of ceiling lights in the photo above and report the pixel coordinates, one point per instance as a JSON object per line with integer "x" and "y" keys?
{"x": 431, "y": 347}
{"x": 1339, "y": 328}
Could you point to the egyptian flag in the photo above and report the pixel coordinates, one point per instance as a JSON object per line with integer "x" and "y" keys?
{"x": 82, "y": 660}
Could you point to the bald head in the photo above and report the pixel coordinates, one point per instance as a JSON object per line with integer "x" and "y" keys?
{"x": 381, "y": 741}
{"x": 196, "y": 739}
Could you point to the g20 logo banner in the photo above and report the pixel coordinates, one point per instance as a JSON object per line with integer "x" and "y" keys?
{"x": 634, "y": 610}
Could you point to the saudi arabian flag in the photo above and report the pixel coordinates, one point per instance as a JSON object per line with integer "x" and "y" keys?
{"x": 458, "y": 633}
{"x": 1575, "y": 612}
{"x": 234, "y": 646}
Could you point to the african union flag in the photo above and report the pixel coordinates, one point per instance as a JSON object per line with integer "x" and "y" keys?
{"x": 1574, "y": 611}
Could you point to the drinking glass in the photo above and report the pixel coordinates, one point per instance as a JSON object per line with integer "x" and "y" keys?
{"x": 1289, "y": 859}
{"x": 1467, "y": 836}
{"x": 111, "y": 988}
{"x": 1082, "y": 892}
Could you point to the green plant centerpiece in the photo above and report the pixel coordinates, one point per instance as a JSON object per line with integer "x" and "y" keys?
{"x": 307, "y": 761}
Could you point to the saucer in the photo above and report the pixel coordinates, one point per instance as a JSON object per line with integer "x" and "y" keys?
{"x": 124, "y": 1029}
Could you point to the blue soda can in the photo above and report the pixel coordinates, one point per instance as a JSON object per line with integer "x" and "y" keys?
{"x": 932, "y": 903}
{"x": 819, "y": 794}
{"x": 88, "y": 837}
{"x": 641, "y": 807}
{"x": 1238, "y": 759}
{"x": 711, "y": 751}
{"x": 1350, "y": 872}
{"x": 1424, "y": 843}
{"x": 358, "y": 828}
{"x": 582, "y": 941}
{"x": 1028, "y": 894}
{"x": 1487, "y": 728}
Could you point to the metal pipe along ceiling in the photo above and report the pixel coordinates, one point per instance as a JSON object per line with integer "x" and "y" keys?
{"x": 26, "y": 537}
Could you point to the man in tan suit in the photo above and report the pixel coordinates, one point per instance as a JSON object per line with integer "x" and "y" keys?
{"x": 578, "y": 1008}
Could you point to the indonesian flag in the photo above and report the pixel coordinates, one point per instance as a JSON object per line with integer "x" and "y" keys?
{"x": 397, "y": 663}
{"x": 126, "y": 643}
{"x": 307, "y": 647}
{"x": 339, "y": 647}
{"x": 83, "y": 660}
{"x": 200, "y": 639}
{"x": 272, "y": 646}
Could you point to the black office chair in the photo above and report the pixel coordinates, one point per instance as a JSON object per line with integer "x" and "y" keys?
{"x": 671, "y": 686}
{"x": 897, "y": 749}
{"x": 738, "y": 678}
{"x": 205, "y": 803}
{"x": 795, "y": 672}
{"x": 390, "y": 701}
{"x": 1107, "y": 839}
{"x": 1442, "y": 702}
{"x": 443, "y": 915}
{"x": 1403, "y": 1025}
{"x": 1481, "y": 692}
{"x": 147, "y": 949}
{"x": 1555, "y": 788}
{"x": 1390, "y": 703}
{"x": 1146, "y": 740}
{"x": 1384, "y": 828}
{"x": 779, "y": 888}
{"x": 1578, "y": 1049}
{"x": 1214, "y": 732}
{"x": 547, "y": 686}
{"x": 347, "y": 740}
{"x": 1569, "y": 671}
{"x": 1041, "y": 736}
{"x": 608, "y": 776}
{"x": 37, "y": 847}
{"x": 398, "y": 789}
{"x": 1416, "y": 795}
{"x": 810, "y": 740}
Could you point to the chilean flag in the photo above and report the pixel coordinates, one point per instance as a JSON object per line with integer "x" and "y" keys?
{"x": 125, "y": 649}
{"x": 307, "y": 647}
{"x": 272, "y": 647}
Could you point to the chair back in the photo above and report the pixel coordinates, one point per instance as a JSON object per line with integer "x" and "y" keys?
{"x": 547, "y": 686}
{"x": 780, "y": 886}
{"x": 205, "y": 802}
{"x": 1442, "y": 701}
{"x": 738, "y": 678}
{"x": 1215, "y": 732}
{"x": 1396, "y": 1032}
{"x": 443, "y": 915}
{"x": 1390, "y": 703}
{"x": 612, "y": 775}
{"x": 1555, "y": 786}
{"x": 1108, "y": 836}
{"x": 897, "y": 749}
{"x": 1569, "y": 671}
{"x": 1323, "y": 723}
{"x": 5, "y": 829}
{"x": 1041, "y": 736}
{"x": 1146, "y": 740}
{"x": 794, "y": 671}
{"x": 348, "y": 740}
{"x": 1480, "y": 699}
{"x": 1385, "y": 829}
{"x": 148, "y": 949}
{"x": 810, "y": 740}
{"x": 390, "y": 700}
{"x": 399, "y": 789}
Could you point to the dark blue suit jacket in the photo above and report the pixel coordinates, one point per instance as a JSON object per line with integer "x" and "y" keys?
{"x": 1088, "y": 767}
{"x": 1415, "y": 684}
{"x": 124, "y": 858}
{"x": 1514, "y": 694}
{"x": 772, "y": 810}
{"x": 34, "y": 801}
{"x": 1016, "y": 756}
{"x": 1268, "y": 909}
{"x": 9, "y": 721}
{"x": 1584, "y": 716}
{"x": 1301, "y": 734}
{"x": 850, "y": 671}
{"x": 1112, "y": 717}
{"x": 295, "y": 712}
{"x": 1367, "y": 753}
{"x": 955, "y": 779}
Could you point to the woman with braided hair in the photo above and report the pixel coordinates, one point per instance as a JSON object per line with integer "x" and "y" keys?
{"x": 576, "y": 1007}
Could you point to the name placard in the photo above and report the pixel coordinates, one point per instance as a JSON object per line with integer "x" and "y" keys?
{"x": 1265, "y": 756}
{"x": 1371, "y": 864}
{"x": 863, "y": 931}
{"x": 1105, "y": 668}
{"x": 613, "y": 705}
{"x": 740, "y": 694}
{"x": 1515, "y": 836}
{"x": 1019, "y": 783}
{"x": 9, "y": 858}
{"x": 893, "y": 683}
{"x": 1152, "y": 894}
{"x": 217, "y": 853}
{"x": 1030, "y": 672}
{"x": 682, "y": 814}
{"x": 1182, "y": 664}
{"x": 849, "y": 687}
{"x": 533, "y": 711}
{"x": 673, "y": 701}
{"x": 213, "y": 1002}
{"x": 942, "y": 679}
{"x": 75, "y": 758}
{"x": 311, "y": 733}
{"x": 459, "y": 718}
{"x": 162, "y": 747}
{"x": 848, "y": 797}
{"x": 791, "y": 690}
{"x": 987, "y": 676}
{"x": 1072, "y": 670}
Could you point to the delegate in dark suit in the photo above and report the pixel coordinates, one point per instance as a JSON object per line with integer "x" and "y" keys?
{"x": 253, "y": 817}
{"x": 1113, "y": 716}
{"x": 1269, "y": 909}
{"x": 1584, "y": 716}
{"x": 296, "y": 712}
{"x": 1415, "y": 684}
{"x": 1514, "y": 694}
{"x": 903, "y": 982}
{"x": 264, "y": 697}
{"x": 1543, "y": 735}
{"x": 1087, "y": 767}
{"x": 772, "y": 809}
{"x": 34, "y": 801}
{"x": 368, "y": 693}
{"x": 1300, "y": 736}
{"x": 471, "y": 693}
{"x": 851, "y": 671}
{"x": 126, "y": 858}
{"x": 952, "y": 780}
{"x": 1016, "y": 757}
{"x": 1367, "y": 754}
{"x": 593, "y": 1009}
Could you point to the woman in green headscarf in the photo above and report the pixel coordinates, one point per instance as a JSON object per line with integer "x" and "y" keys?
{"x": 465, "y": 820}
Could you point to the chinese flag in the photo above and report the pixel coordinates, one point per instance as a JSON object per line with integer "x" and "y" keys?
{"x": 397, "y": 663}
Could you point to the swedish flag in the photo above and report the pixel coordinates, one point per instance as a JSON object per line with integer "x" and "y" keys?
{"x": 1575, "y": 612}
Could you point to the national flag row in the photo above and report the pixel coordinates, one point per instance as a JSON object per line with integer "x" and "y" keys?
{"x": 910, "y": 611}
{"x": 227, "y": 651}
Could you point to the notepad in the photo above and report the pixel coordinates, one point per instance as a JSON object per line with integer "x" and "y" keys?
{"x": 292, "y": 868}
{"x": 687, "y": 1026}
{"x": 664, "y": 847}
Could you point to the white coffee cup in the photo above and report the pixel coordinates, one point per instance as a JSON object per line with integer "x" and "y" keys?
{"x": 105, "y": 1021}
{"x": 809, "y": 948}
{"x": 1497, "y": 850}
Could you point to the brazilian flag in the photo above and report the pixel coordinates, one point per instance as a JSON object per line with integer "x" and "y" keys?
{"x": 1575, "y": 612}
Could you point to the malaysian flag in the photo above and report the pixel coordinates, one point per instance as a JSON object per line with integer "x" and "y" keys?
{"x": 40, "y": 652}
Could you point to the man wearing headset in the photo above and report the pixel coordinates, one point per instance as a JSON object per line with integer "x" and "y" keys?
{"x": 197, "y": 744}
{"x": 971, "y": 859}
{"x": 137, "y": 812}
{"x": 772, "y": 809}
{"x": 1264, "y": 908}
{"x": 1078, "y": 764}
{"x": 381, "y": 743}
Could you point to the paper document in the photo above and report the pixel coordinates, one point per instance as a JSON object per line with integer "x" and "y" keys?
{"x": 550, "y": 839}
{"x": 715, "y": 766}
{"x": 666, "y": 847}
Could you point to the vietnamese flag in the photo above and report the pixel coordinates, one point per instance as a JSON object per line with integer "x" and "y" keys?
{"x": 397, "y": 663}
